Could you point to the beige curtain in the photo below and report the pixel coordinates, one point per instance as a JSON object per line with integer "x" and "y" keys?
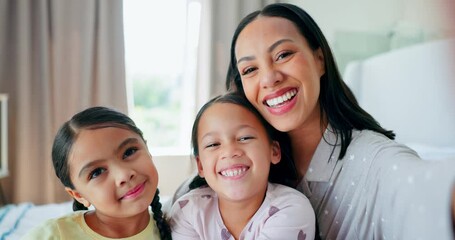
{"x": 219, "y": 19}
{"x": 57, "y": 57}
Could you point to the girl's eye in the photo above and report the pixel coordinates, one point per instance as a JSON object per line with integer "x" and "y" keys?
{"x": 130, "y": 151}
{"x": 283, "y": 55}
{"x": 246, "y": 138}
{"x": 248, "y": 71}
{"x": 212, "y": 145}
{"x": 95, "y": 173}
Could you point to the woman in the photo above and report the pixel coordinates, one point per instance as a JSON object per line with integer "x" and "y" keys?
{"x": 361, "y": 183}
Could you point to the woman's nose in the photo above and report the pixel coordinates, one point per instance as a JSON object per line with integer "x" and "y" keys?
{"x": 270, "y": 77}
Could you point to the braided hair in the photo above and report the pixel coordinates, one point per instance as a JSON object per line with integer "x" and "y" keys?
{"x": 94, "y": 118}
{"x": 160, "y": 218}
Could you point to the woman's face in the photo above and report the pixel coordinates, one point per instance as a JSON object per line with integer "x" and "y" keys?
{"x": 280, "y": 73}
{"x": 112, "y": 169}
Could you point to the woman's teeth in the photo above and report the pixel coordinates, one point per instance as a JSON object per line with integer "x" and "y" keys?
{"x": 281, "y": 99}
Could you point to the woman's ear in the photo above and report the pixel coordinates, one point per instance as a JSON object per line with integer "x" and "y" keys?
{"x": 276, "y": 152}
{"x": 200, "y": 170}
{"x": 319, "y": 57}
{"x": 76, "y": 195}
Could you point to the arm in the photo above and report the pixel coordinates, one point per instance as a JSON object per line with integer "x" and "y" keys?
{"x": 418, "y": 194}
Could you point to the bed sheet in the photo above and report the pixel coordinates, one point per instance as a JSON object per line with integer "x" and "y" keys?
{"x": 17, "y": 219}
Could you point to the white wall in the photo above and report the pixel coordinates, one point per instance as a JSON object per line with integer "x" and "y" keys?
{"x": 352, "y": 15}
{"x": 172, "y": 171}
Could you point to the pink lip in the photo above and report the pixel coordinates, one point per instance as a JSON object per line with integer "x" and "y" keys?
{"x": 278, "y": 93}
{"x": 134, "y": 192}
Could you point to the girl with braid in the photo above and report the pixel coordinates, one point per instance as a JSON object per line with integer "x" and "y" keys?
{"x": 102, "y": 159}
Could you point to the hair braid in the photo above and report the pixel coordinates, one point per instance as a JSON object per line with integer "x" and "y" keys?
{"x": 197, "y": 182}
{"x": 161, "y": 223}
{"x": 78, "y": 206}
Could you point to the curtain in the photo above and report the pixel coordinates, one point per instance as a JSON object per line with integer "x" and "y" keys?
{"x": 57, "y": 57}
{"x": 219, "y": 19}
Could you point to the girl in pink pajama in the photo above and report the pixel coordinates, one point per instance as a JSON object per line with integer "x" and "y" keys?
{"x": 240, "y": 192}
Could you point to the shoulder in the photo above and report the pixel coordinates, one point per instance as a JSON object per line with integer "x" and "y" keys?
{"x": 286, "y": 214}
{"x": 278, "y": 191}
{"x": 376, "y": 143}
{"x": 370, "y": 137}
{"x": 286, "y": 197}
{"x": 54, "y": 228}
{"x": 198, "y": 199}
{"x": 193, "y": 212}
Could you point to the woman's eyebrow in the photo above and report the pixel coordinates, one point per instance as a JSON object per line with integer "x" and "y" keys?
{"x": 270, "y": 49}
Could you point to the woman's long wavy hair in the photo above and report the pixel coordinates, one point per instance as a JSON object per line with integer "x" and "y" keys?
{"x": 337, "y": 102}
{"x": 95, "y": 118}
{"x": 283, "y": 172}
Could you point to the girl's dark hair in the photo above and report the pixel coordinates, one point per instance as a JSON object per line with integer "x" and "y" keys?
{"x": 283, "y": 172}
{"x": 337, "y": 102}
{"x": 95, "y": 118}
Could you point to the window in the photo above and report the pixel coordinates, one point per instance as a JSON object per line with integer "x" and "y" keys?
{"x": 161, "y": 39}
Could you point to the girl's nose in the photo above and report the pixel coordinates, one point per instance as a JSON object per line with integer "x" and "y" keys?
{"x": 124, "y": 174}
{"x": 231, "y": 150}
{"x": 270, "y": 77}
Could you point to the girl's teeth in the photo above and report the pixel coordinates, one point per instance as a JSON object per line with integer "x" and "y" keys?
{"x": 233, "y": 173}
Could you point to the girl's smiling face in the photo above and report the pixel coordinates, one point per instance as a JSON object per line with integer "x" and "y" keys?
{"x": 235, "y": 152}
{"x": 280, "y": 73}
{"x": 112, "y": 169}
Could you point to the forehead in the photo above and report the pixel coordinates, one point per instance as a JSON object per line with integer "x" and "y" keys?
{"x": 221, "y": 115}
{"x": 93, "y": 144}
{"x": 268, "y": 29}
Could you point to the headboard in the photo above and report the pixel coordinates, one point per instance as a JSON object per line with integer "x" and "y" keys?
{"x": 410, "y": 91}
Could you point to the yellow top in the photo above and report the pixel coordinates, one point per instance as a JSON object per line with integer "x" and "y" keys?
{"x": 74, "y": 227}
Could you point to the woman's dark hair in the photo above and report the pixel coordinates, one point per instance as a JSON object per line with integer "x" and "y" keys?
{"x": 95, "y": 118}
{"x": 336, "y": 100}
{"x": 283, "y": 172}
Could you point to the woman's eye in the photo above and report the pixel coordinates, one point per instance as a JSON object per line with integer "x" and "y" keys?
{"x": 130, "y": 151}
{"x": 95, "y": 173}
{"x": 248, "y": 71}
{"x": 283, "y": 55}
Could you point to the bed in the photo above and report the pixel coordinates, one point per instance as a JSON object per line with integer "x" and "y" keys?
{"x": 17, "y": 219}
{"x": 410, "y": 90}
